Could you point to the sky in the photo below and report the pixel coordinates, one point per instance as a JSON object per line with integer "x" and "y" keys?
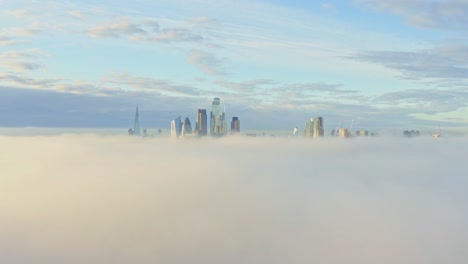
{"x": 273, "y": 63}
{"x": 119, "y": 199}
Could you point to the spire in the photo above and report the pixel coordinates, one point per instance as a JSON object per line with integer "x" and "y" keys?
{"x": 136, "y": 124}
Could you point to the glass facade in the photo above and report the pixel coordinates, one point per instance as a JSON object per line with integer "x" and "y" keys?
{"x": 314, "y": 127}
{"x": 201, "y": 125}
{"x": 235, "y": 125}
{"x": 186, "y": 127}
{"x": 218, "y": 125}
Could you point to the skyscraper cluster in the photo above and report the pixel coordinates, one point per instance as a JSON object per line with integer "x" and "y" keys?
{"x": 181, "y": 128}
{"x": 218, "y": 124}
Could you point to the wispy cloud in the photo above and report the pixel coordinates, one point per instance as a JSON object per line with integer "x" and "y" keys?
{"x": 445, "y": 62}
{"x": 8, "y": 41}
{"x": 33, "y": 29}
{"x": 329, "y": 7}
{"x": 176, "y": 35}
{"x": 427, "y": 100}
{"x": 121, "y": 28}
{"x": 150, "y": 84}
{"x": 18, "y": 13}
{"x": 27, "y": 82}
{"x": 147, "y": 30}
{"x": 77, "y": 14}
{"x": 24, "y": 66}
{"x": 246, "y": 87}
{"x": 426, "y": 14}
{"x": 303, "y": 89}
{"x": 22, "y": 54}
{"x": 152, "y": 25}
{"x": 208, "y": 63}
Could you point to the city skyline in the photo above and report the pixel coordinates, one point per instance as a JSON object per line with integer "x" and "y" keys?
{"x": 88, "y": 64}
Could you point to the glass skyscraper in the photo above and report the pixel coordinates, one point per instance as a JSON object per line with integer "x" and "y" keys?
{"x": 176, "y": 127}
{"x": 318, "y": 127}
{"x": 314, "y": 127}
{"x": 201, "y": 125}
{"x": 235, "y": 125}
{"x": 186, "y": 127}
{"x": 218, "y": 125}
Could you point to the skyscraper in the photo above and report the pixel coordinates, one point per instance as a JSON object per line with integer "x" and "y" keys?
{"x": 318, "y": 127}
{"x": 173, "y": 129}
{"x": 343, "y": 133}
{"x": 176, "y": 127}
{"x": 218, "y": 125}
{"x": 309, "y": 128}
{"x": 362, "y": 133}
{"x": 201, "y": 125}
{"x": 136, "y": 123}
{"x": 314, "y": 127}
{"x": 186, "y": 127}
{"x": 235, "y": 125}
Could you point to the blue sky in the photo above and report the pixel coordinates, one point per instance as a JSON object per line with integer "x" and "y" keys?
{"x": 400, "y": 63}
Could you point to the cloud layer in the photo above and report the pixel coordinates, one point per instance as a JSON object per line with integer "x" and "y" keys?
{"x": 90, "y": 199}
{"x": 426, "y": 14}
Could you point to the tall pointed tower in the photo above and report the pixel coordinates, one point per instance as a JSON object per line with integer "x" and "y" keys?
{"x": 136, "y": 124}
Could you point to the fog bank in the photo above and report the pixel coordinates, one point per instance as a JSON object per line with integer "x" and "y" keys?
{"x": 111, "y": 199}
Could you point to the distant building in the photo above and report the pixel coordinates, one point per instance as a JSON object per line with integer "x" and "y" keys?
{"x": 235, "y": 125}
{"x": 173, "y": 129}
{"x": 314, "y": 127}
{"x": 309, "y": 131}
{"x": 136, "y": 125}
{"x": 218, "y": 125}
{"x": 362, "y": 133}
{"x": 176, "y": 127}
{"x": 201, "y": 124}
{"x": 343, "y": 133}
{"x": 411, "y": 133}
{"x": 318, "y": 127}
{"x": 186, "y": 127}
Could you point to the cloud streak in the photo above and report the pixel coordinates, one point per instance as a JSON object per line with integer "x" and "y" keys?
{"x": 440, "y": 63}
{"x": 426, "y": 14}
{"x": 118, "y": 29}
{"x": 207, "y": 62}
{"x": 24, "y": 66}
{"x": 77, "y": 14}
{"x": 8, "y": 41}
{"x": 148, "y": 30}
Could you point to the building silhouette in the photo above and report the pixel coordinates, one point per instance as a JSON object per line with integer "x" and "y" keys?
{"x": 235, "y": 125}
{"x": 136, "y": 123}
{"x": 186, "y": 127}
{"x": 314, "y": 127}
{"x": 218, "y": 125}
{"x": 201, "y": 124}
{"x": 176, "y": 127}
{"x": 362, "y": 133}
{"x": 136, "y": 130}
{"x": 343, "y": 133}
